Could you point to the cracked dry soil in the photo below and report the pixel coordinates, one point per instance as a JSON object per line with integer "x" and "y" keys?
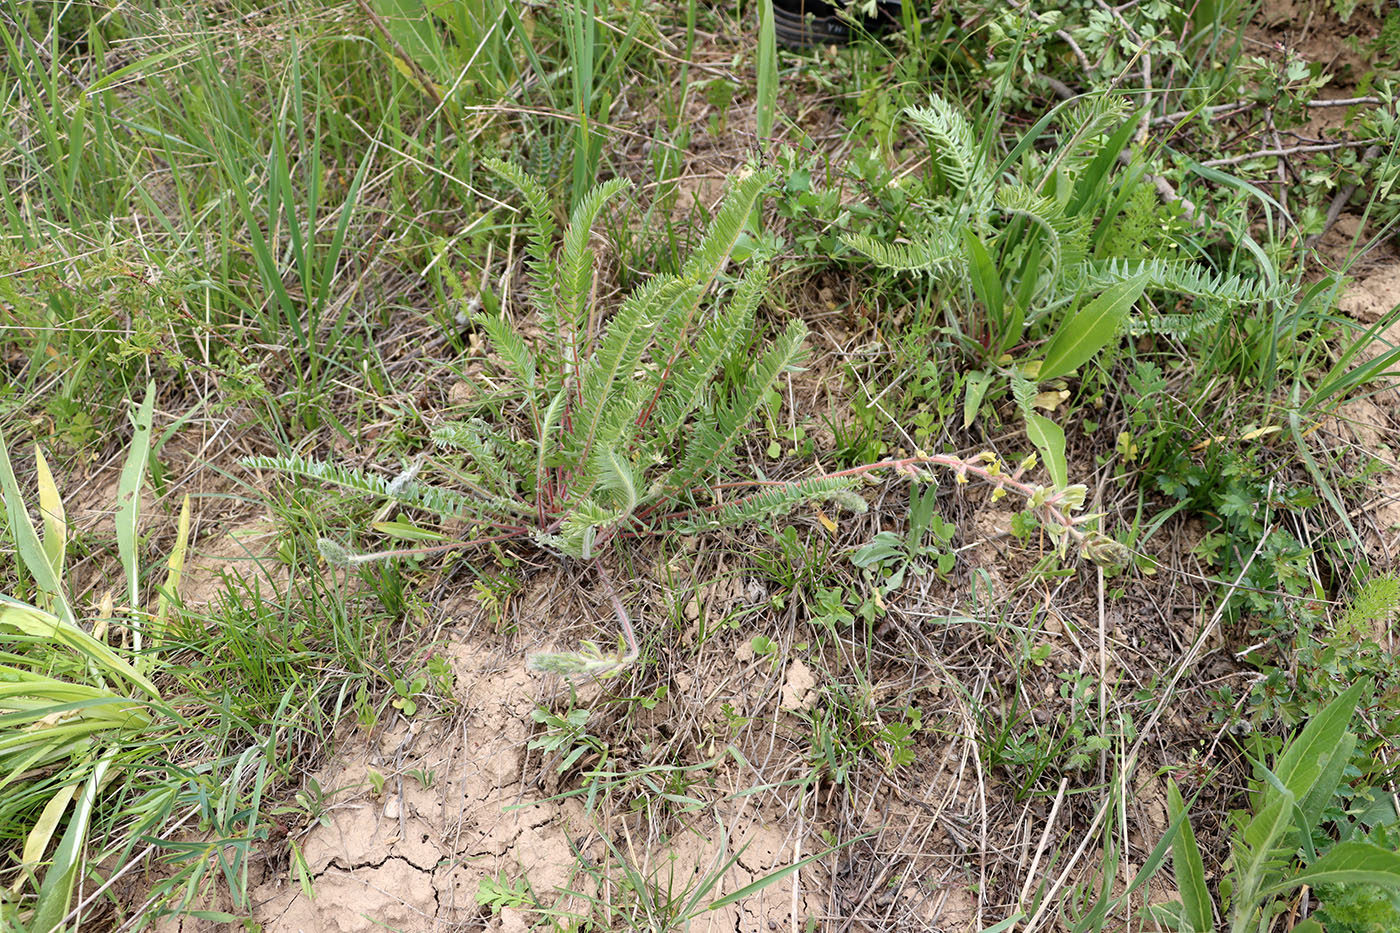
{"x": 414, "y": 857}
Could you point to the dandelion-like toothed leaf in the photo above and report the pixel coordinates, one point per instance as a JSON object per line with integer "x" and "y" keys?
{"x": 708, "y": 259}
{"x": 952, "y": 142}
{"x": 713, "y": 442}
{"x": 690, "y": 375}
{"x": 773, "y": 500}
{"x": 937, "y": 256}
{"x": 577, "y": 260}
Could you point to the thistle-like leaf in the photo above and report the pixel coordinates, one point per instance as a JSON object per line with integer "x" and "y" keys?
{"x": 577, "y": 259}
{"x": 1066, "y": 237}
{"x": 472, "y": 439}
{"x": 1180, "y": 276}
{"x": 936, "y": 256}
{"x": 578, "y": 532}
{"x": 682, "y": 390}
{"x": 436, "y": 499}
{"x": 542, "y": 230}
{"x": 516, "y": 356}
{"x": 620, "y": 352}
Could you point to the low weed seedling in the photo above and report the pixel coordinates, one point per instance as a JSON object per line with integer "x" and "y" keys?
{"x": 923, "y": 546}
{"x": 566, "y": 738}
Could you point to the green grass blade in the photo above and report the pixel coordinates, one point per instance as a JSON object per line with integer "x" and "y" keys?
{"x": 776, "y": 876}
{"x": 26, "y": 538}
{"x": 767, "y": 71}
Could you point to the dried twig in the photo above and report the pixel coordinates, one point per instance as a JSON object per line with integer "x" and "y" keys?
{"x": 1340, "y": 199}
{"x": 1290, "y": 150}
{"x": 1220, "y": 111}
{"x": 422, "y": 77}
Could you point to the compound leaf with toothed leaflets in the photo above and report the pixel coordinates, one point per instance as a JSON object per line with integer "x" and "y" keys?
{"x": 714, "y": 439}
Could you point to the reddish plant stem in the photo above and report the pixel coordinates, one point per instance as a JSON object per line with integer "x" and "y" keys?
{"x": 904, "y": 465}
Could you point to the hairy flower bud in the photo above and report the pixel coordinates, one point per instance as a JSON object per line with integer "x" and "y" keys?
{"x": 336, "y": 554}
{"x": 1103, "y": 550}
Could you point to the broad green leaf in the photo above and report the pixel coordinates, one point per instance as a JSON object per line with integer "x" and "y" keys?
{"x": 884, "y": 546}
{"x": 1306, "y": 759}
{"x": 1346, "y": 863}
{"x": 52, "y": 515}
{"x": 1049, "y": 438}
{"x": 1090, "y": 329}
{"x": 974, "y": 392}
{"x": 175, "y": 566}
{"x": 129, "y": 495}
{"x": 1262, "y": 836}
{"x": 1190, "y": 873}
{"x": 56, "y": 893}
{"x": 1030, "y": 279}
{"x": 411, "y": 24}
{"x": 986, "y": 279}
{"x": 42, "y": 832}
{"x": 40, "y": 624}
